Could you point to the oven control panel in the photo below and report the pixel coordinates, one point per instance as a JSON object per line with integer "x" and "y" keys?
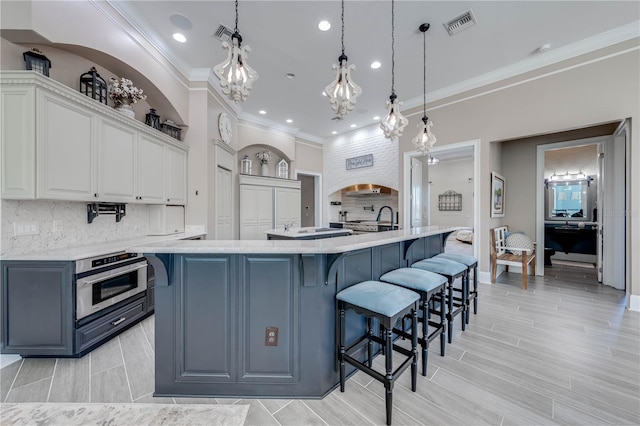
{"x": 112, "y": 259}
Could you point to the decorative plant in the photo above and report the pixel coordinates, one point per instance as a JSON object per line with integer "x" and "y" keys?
{"x": 264, "y": 156}
{"x": 123, "y": 88}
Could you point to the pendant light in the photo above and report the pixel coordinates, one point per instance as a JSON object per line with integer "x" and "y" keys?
{"x": 235, "y": 74}
{"x": 394, "y": 123}
{"x": 342, "y": 92}
{"x": 425, "y": 140}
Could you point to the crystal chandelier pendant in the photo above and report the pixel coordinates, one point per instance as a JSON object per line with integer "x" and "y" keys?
{"x": 235, "y": 74}
{"x": 394, "y": 123}
{"x": 425, "y": 139}
{"x": 342, "y": 92}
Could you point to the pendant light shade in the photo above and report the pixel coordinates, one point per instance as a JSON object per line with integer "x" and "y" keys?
{"x": 235, "y": 74}
{"x": 342, "y": 92}
{"x": 425, "y": 139}
{"x": 394, "y": 122}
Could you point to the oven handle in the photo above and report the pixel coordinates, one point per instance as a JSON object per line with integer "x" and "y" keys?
{"x": 123, "y": 271}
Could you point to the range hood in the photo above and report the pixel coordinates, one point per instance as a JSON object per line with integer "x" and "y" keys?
{"x": 366, "y": 189}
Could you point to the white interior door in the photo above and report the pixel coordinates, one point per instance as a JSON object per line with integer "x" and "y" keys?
{"x": 613, "y": 211}
{"x": 416, "y": 192}
{"x": 224, "y": 224}
{"x": 599, "y": 202}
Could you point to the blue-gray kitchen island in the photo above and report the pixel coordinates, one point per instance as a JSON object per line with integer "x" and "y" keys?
{"x": 257, "y": 318}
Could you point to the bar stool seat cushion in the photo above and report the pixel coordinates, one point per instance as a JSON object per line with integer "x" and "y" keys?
{"x": 441, "y": 266}
{"x": 465, "y": 259}
{"x": 415, "y": 279}
{"x": 374, "y": 296}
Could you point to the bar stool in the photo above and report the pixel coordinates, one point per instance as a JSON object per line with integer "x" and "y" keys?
{"x": 451, "y": 270}
{"x": 387, "y": 303}
{"x": 431, "y": 288}
{"x": 472, "y": 263}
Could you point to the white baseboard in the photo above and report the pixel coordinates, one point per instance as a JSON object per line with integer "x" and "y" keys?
{"x": 7, "y": 359}
{"x": 634, "y": 303}
{"x": 484, "y": 277}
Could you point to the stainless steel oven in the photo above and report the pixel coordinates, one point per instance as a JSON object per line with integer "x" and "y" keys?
{"x": 106, "y": 280}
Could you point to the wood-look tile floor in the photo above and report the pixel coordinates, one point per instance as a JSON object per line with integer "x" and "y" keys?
{"x": 566, "y": 351}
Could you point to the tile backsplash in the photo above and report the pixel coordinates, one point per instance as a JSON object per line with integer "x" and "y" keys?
{"x": 72, "y": 216}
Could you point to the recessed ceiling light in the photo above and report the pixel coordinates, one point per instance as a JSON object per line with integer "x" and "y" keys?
{"x": 353, "y": 125}
{"x": 290, "y": 75}
{"x": 179, "y": 37}
{"x": 263, "y": 112}
{"x": 324, "y": 25}
{"x": 377, "y": 117}
{"x": 334, "y": 133}
{"x": 289, "y": 120}
{"x": 375, "y": 65}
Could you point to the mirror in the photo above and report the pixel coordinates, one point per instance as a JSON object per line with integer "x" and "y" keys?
{"x": 569, "y": 200}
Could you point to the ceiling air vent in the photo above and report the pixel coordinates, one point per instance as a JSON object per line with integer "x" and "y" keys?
{"x": 460, "y": 23}
{"x": 223, "y": 33}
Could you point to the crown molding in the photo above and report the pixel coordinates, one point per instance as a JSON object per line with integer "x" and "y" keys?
{"x": 590, "y": 44}
{"x": 115, "y": 13}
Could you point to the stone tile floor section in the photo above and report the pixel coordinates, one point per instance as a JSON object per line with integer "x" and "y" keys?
{"x": 565, "y": 351}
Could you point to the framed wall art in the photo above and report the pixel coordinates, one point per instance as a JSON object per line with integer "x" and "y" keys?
{"x": 497, "y": 194}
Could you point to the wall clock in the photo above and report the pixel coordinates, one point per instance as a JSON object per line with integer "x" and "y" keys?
{"x": 224, "y": 126}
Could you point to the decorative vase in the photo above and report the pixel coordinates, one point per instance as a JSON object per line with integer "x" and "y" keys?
{"x": 264, "y": 169}
{"x": 123, "y": 106}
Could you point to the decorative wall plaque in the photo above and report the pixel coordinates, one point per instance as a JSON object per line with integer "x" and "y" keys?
{"x": 361, "y": 161}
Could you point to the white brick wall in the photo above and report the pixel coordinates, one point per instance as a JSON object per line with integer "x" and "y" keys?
{"x": 383, "y": 172}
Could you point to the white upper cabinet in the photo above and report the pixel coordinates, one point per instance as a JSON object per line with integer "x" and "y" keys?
{"x": 175, "y": 183}
{"x": 18, "y": 141}
{"x": 58, "y": 144}
{"x": 150, "y": 179}
{"x": 116, "y": 162}
{"x": 64, "y": 134}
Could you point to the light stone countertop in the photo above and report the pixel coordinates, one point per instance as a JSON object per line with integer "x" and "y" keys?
{"x": 306, "y": 231}
{"x": 319, "y": 246}
{"x": 98, "y": 249}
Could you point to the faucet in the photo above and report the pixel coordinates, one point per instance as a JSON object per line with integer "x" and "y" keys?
{"x": 380, "y": 214}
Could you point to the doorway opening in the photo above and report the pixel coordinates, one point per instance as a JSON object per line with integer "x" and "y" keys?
{"x": 581, "y": 184}
{"x": 433, "y": 197}
{"x": 310, "y": 211}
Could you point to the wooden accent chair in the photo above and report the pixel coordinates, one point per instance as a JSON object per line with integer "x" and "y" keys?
{"x": 510, "y": 256}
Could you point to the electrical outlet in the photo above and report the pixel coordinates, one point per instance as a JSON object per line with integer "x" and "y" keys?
{"x": 271, "y": 336}
{"x": 57, "y": 226}
{"x": 21, "y": 229}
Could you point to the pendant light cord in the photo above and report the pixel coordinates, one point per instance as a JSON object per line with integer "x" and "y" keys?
{"x": 236, "y": 16}
{"x": 342, "y": 37}
{"x": 393, "y": 52}
{"x": 424, "y": 74}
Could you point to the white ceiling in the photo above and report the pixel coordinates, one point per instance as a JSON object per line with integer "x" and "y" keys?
{"x": 284, "y": 38}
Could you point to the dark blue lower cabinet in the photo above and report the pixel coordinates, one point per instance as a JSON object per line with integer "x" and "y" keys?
{"x": 37, "y": 308}
{"x": 257, "y": 325}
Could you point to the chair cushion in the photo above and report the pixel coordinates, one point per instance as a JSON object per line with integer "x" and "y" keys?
{"x": 382, "y": 298}
{"x": 465, "y": 259}
{"x": 520, "y": 241}
{"x": 440, "y": 266}
{"x": 415, "y": 279}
